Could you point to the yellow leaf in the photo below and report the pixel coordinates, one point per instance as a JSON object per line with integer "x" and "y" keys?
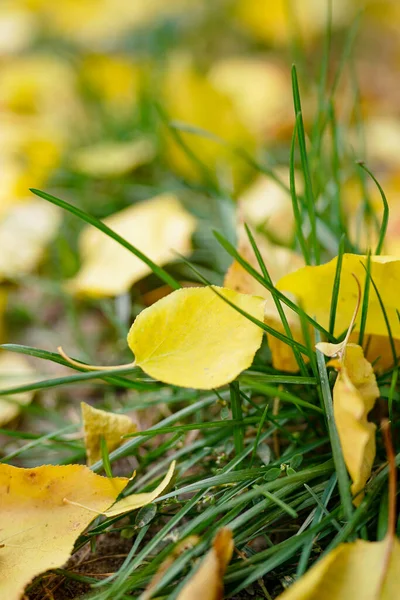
{"x": 354, "y": 395}
{"x": 98, "y": 424}
{"x": 35, "y": 222}
{"x": 193, "y": 338}
{"x": 37, "y": 527}
{"x": 365, "y": 570}
{"x": 306, "y": 284}
{"x": 207, "y": 582}
{"x": 14, "y": 371}
{"x": 113, "y": 159}
{"x": 157, "y": 227}
{"x": 278, "y": 260}
{"x": 135, "y": 501}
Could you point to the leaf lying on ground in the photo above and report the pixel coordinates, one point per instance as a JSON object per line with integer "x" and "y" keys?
{"x": 194, "y": 338}
{"x": 364, "y": 570}
{"x": 113, "y": 159}
{"x": 278, "y": 261}
{"x": 98, "y": 424}
{"x": 14, "y": 371}
{"x": 207, "y": 582}
{"x": 354, "y": 396}
{"x": 306, "y": 284}
{"x": 38, "y": 528}
{"x": 157, "y": 227}
{"x": 35, "y": 223}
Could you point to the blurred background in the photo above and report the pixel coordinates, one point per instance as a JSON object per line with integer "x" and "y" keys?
{"x": 179, "y": 113}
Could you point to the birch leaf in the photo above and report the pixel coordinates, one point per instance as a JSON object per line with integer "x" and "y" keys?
{"x": 182, "y": 338}
{"x": 14, "y": 371}
{"x": 278, "y": 260}
{"x": 157, "y": 227}
{"x": 354, "y": 396}
{"x": 367, "y": 570}
{"x": 135, "y": 501}
{"x": 38, "y": 528}
{"x": 98, "y": 424}
{"x": 207, "y": 582}
{"x": 113, "y": 159}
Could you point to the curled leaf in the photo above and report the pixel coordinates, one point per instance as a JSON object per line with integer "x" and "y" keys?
{"x": 37, "y": 527}
{"x": 194, "y": 338}
{"x": 207, "y": 582}
{"x": 157, "y": 227}
{"x": 98, "y": 424}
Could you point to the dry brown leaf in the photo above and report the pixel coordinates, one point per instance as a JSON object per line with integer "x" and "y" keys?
{"x": 38, "y": 528}
{"x": 207, "y": 582}
{"x": 98, "y": 424}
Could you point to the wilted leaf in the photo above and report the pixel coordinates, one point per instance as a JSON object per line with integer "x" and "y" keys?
{"x": 306, "y": 284}
{"x": 278, "y": 261}
{"x": 365, "y": 570}
{"x": 157, "y": 227}
{"x": 354, "y": 396}
{"x": 135, "y": 501}
{"x": 182, "y": 338}
{"x": 14, "y": 371}
{"x": 98, "y": 424}
{"x": 113, "y": 159}
{"x": 37, "y": 527}
{"x": 207, "y": 582}
{"x": 35, "y": 222}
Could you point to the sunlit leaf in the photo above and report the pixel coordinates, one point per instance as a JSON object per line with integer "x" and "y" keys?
{"x": 98, "y": 424}
{"x": 182, "y": 338}
{"x": 14, "y": 371}
{"x": 157, "y": 227}
{"x": 207, "y": 582}
{"x": 367, "y": 570}
{"x": 38, "y": 528}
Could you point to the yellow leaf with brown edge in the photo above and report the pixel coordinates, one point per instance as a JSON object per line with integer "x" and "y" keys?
{"x": 135, "y": 501}
{"x": 158, "y": 227}
{"x": 15, "y": 371}
{"x": 100, "y": 424}
{"x": 306, "y": 285}
{"x": 38, "y": 528}
{"x": 365, "y": 570}
{"x": 354, "y": 395}
{"x": 182, "y": 338}
{"x": 278, "y": 260}
{"x": 207, "y": 582}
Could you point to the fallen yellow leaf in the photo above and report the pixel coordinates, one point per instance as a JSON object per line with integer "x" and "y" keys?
{"x": 14, "y": 371}
{"x": 278, "y": 261}
{"x": 182, "y": 338}
{"x": 113, "y": 159}
{"x": 367, "y": 570}
{"x": 135, "y": 501}
{"x": 37, "y": 527}
{"x": 98, "y": 424}
{"x": 306, "y": 284}
{"x": 157, "y": 227}
{"x": 35, "y": 222}
{"x": 207, "y": 582}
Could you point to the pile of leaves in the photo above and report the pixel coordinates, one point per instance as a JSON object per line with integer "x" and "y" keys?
{"x": 198, "y": 298}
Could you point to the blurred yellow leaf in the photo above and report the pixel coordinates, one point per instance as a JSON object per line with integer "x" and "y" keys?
{"x": 157, "y": 227}
{"x": 192, "y": 101}
{"x": 207, "y": 582}
{"x": 35, "y": 223}
{"x": 15, "y": 370}
{"x": 306, "y": 284}
{"x": 278, "y": 261}
{"x": 98, "y": 424}
{"x": 182, "y": 338}
{"x": 354, "y": 396}
{"x": 365, "y": 570}
{"x": 113, "y": 159}
{"x": 38, "y": 528}
{"x": 135, "y": 501}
